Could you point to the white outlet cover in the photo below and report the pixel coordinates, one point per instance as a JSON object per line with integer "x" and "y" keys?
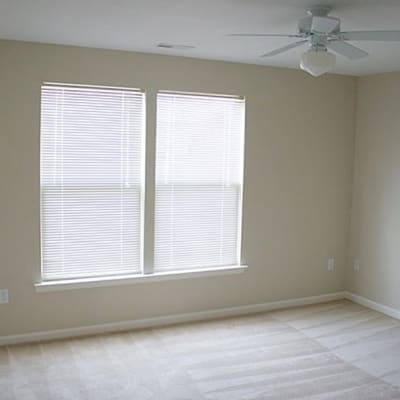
{"x": 357, "y": 264}
{"x": 3, "y": 296}
{"x": 331, "y": 264}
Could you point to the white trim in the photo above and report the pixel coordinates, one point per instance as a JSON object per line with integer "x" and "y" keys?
{"x": 85, "y": 86}
{"x": 390, "y": 311}
{"x": 68, "y": 284}
{"x": 200, "y": 94}
{"x": 166, "y": 320}
{"x": 149, "y": 179}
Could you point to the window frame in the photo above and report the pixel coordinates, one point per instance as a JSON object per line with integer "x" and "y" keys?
{"x": 149, "y": 143}
{"x": 140, "y": 189}
{"x": 241, "y": 167}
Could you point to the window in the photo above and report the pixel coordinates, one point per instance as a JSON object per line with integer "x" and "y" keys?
{"x": 92, "y": 184}
{"x": 199, "y": 177}
{"x": 91, "y": 181}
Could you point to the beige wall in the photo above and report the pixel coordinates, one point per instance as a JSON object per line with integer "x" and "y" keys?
{"x": 375, "y": 232}
{"x": 299, "y": 151}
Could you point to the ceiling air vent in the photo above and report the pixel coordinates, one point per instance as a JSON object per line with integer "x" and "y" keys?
{"x": 174, "y": 46}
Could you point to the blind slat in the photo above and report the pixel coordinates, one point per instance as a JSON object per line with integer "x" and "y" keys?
{"x": 91, "y": 181}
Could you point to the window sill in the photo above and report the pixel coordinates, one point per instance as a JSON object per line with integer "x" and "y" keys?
{"x": 68, "y": 284}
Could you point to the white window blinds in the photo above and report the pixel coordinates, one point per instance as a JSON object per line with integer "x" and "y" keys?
{"x": 91, "y": 181}
{"x": 199, "y": 174}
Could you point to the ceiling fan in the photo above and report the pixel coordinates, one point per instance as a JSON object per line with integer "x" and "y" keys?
{"x": 322, "y": 32}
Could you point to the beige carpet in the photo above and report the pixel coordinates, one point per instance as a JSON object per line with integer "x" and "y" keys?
{"x": 336, "y": 350}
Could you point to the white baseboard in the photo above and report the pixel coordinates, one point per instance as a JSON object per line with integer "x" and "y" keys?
{"x": 167, "y": 320}
{"x": 390, "y": 311}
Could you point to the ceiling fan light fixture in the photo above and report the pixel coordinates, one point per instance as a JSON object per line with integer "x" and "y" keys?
{"x": 317, "y": 61}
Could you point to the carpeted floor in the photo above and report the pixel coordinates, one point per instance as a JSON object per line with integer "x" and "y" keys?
{"x": 336, "y": 350}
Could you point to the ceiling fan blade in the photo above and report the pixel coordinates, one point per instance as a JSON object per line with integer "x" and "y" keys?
{"x": 323, "y": 24}
{"x": 347, "y": 50}
{"x": 263, "y": 35}
{"x": 379, "y": 36}
{"x": 284, "y": 48}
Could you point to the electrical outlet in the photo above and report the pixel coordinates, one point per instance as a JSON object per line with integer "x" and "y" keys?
{"x": 3, "y": 296}
{"x": 331, "y": 264}
{"x": 356, "y": 265}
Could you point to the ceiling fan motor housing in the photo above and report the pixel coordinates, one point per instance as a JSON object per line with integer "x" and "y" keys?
{"x": 306, "y": 25}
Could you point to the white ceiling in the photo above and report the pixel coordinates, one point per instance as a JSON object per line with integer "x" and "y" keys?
{"x": 139, "y": 25}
